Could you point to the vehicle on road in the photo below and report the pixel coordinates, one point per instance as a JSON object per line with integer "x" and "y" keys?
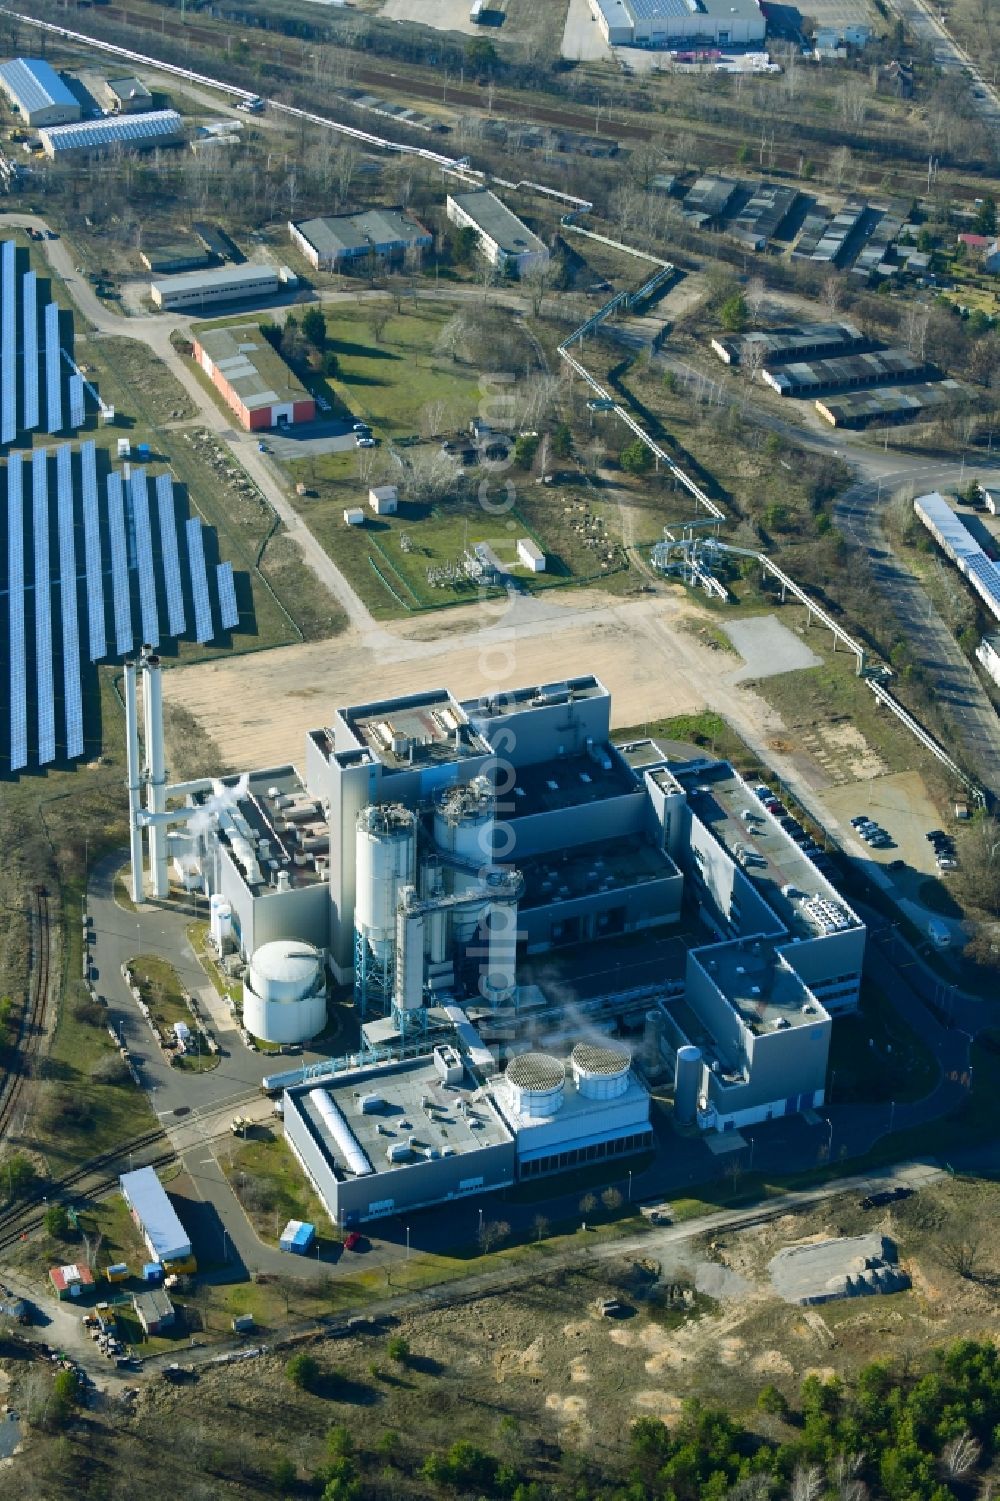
{"x": 263, "y": 447}
{"x": 360, "y": 427}
{"x": 365, "y": 442}
{"x": 352, "y": 1240}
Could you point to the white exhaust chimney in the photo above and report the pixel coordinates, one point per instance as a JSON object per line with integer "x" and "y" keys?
{"x": 133, "y": 781}
{"x": 156, "y": 797}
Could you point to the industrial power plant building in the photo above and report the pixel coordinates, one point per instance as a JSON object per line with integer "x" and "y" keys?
{"x": 679, "y": 23}
{"x": 427, "y": 1130}
{"x": 503, "y": 239}
{"x": 36, "y": 91}
{"x": 252, "y": 377}
{"x": 429, "y": 848}
{"x": 382, "y": 233}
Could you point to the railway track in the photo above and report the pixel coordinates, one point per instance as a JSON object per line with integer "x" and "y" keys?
{"x": 33, "y": 1015}
{"x": 19, "y": 1222}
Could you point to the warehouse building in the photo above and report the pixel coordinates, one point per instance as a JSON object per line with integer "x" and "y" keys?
{"x": 957, "y": 542}
{"x": 796, "y": 342}
{"x": 826, "y": 237}
{"x": 252, "y": 377}
{"x": 126, "y": 96}
{"x": 891, "y": 404}
{"x": 382, "y": 234}
{"x": 849, "y": 372}
{"x": 156, "y": 1219}
{"x": 763, "y": 215}
{"x": 707, "y": 200}
{"x": 204, "y": 290}
{"x": 38, "y": 94}
{"x": 679, "y": 23}
{"x": 503, "y": 239}
{"x": 174, "y": 259}
{"x": 163, "y": 127}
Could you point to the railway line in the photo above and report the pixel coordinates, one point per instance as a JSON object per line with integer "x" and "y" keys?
{"x": 294, "y": 59}
{"x": 34, "y": 1015}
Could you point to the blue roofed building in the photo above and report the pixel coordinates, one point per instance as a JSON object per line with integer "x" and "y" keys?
{"x": 37, "y": 92}
{"x": 155, "y": 1218}
{"x": 161, "y": 127}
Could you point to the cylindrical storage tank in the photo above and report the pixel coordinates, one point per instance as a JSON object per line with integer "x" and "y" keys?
{"x": 465, "y": 921}
{"x": 600, "y": 1070}
{"x": 536, "y": 1082}
{"x": 652, "y": 1036}
{"x": 463, "y": 821}
{"x": 687, "y": 1084}
{"x": 408, "y": 988}
{"x": 284, "y": 992}
{"x": 385, "y": 848}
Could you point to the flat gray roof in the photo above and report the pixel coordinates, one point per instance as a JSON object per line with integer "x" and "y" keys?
{"x": 225, "y": 276}
{"x": 764, "y": 991}
{"x": 433, "y": 725}
{"x": 377, "y": 226}
{"x": 457, "y": 1121}
{"x": 496, "y": 220}
{"x": 251, "y": 366}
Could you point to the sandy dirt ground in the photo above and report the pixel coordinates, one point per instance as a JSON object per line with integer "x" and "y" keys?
{"x": 258, "y": 707}
{"x": 902, "y": 805}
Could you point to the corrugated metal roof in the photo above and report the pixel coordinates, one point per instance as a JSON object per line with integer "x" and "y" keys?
{"x": 117, "y": 130}
{"x": 36, "y": 84}
{"x": 224, "y": 276}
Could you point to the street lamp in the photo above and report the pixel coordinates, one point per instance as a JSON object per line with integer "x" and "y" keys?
{"x": 629, "y": 1200}
{"x": 407, "y": 1242}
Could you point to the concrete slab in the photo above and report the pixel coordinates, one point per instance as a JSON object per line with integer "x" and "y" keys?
{"x": 901, "y": 804}
{"x": 310, "y": 439}
{"x": 767, "y": 647}
{"x": 582, "y": 40}
{"x": 728, "y": 1141}
{"x": 442, "y": 15}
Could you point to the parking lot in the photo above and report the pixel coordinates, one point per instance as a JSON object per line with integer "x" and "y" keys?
{"x": 901, "y": 805}
{"x": 311, "y": 439}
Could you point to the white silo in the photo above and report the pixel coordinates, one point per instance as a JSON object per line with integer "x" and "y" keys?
{"x": 687, "y": 1084}
{"x": 600, "y": 1070}
{"x": 463, "y": 822}
{"x": 385, "y": 851}
{"x": 536, "y": 1082}
{"x": 284, "y": 992}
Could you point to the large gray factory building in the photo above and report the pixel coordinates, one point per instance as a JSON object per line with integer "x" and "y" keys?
{"x": 429, "y": 848}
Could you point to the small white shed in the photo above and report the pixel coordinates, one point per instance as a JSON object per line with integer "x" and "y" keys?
{"x": 384, "y": 500}
{"x": 530, "y": 555}
{"x": 354, "y": 516}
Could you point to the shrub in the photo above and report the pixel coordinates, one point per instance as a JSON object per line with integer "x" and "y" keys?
{"x": 111, "y": 1069}
{"x": 771, "y": 1400}
{"x": 303, "y": 1371}
{"x": 399, "y": 1349}
{"x": 57, "y": 1222}
{"x": 18, "y": 1175}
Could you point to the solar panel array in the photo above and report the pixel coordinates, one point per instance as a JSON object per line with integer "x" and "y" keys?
{"x": 139, "y": 494}
{"x": 43, "y": 608}
{"x": 203, "y": 628}
{"x": 8, "y": 342}
{"x": 53, "y": 370}
{"x": 62, "y": 496}
{"x": 77, "y": 410}
{"x": 176, "y": 620}
{"x": 229, "y": 612}
{"x": 92, "y": 549}
{"x": 15, "y": 602}
{"x": 29, "y": 346}
{"x": 119, "y": 566}
{"x": 72, "y": 692}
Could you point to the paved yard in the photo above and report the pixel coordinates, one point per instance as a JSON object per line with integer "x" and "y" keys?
{"x": 443, "y": 15}
{"x": 899, "y": 803}
{"x": 767, "y": 647}
{"x": 582, "y": 40}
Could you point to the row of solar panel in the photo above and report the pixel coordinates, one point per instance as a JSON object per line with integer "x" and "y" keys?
{"x": 129, "y": 519}
{"x": 10, "y": 364}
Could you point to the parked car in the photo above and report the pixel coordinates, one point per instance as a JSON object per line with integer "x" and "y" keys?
{"x": 352, "y": 1240}
{"x": 360, "y": 427}
{"x": 365, "y": 442}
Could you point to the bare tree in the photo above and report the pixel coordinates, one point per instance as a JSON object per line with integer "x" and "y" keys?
{"x": 833, "y": 293}
{"x": 807, "y": 1483}
{"x": 960, "y": 1455}
{"x": 492, "y": 1233}
{"x": 841, "y": 163}
{"x": 612, "y": 1200}
{"x": 378, "y": 316}
{"x": 755, "y": 295}
{"x": 536, "y": 278}
{"x": 541, "y": 1226}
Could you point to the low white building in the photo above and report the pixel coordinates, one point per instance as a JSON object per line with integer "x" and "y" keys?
{"x": 354, "y": 516}
{"x": 503, "y": 239}
{"x": 384, "y": 500}
{"x": 988, "y": 653}
{"x": 679, "y": 23}
{"x": 530, "y": 555}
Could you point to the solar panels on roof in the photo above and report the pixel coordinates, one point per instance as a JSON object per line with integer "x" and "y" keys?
{"x": 53, "y": 372}
{"x": 961, "y": 546}
{"x": 229, "y": 612}
{"x": 119, "y": 566}
{"x": 176, "y": 622}
{"x": 72, "y": 698}
{"x": 43, "y": 609}
{"x": 115, "y": 130}
{"x": 8, "y": 342}
{"x": 203, "y": 629}
{"x": 15, "y": 604}
{"x": 92, "y": 550}
{"x": 29, "y": 342}
{"x": 35, "y": 84}
{"x": 139, "y": 492}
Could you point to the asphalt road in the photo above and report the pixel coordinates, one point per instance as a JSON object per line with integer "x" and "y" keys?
{"x": 925, "y": 23}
